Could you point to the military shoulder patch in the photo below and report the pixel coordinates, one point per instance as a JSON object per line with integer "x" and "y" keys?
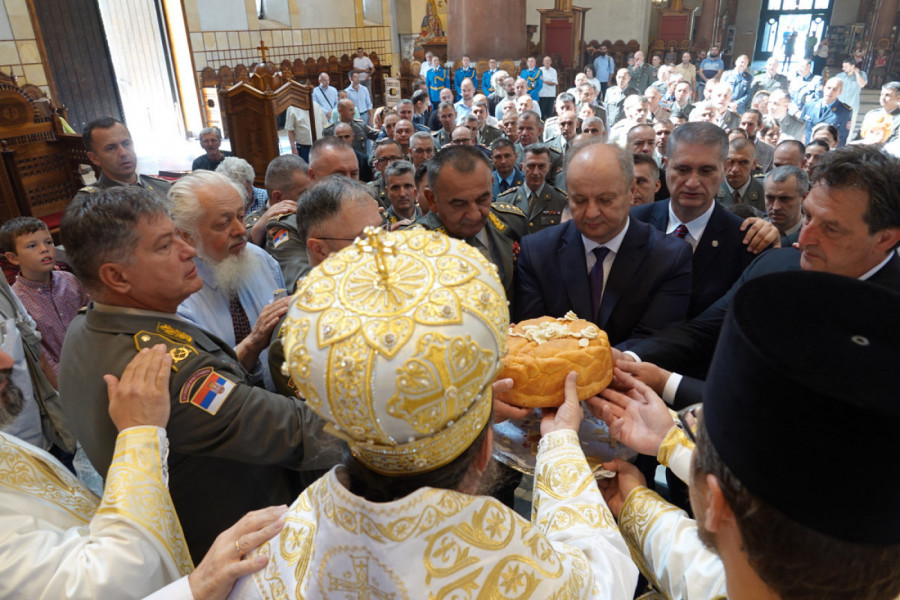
{"x": 206, "y": 390}
{"x": 500, "y": 225}
{"x": 279, "y": 236}
{"x": 511, "y": 190}
{"x": 507, "y": 208}
{"x": 178, "y": 350}
{"x": 560, "y": 190}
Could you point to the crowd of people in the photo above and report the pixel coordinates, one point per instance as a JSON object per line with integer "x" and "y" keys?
{"x": 292, "y": 386}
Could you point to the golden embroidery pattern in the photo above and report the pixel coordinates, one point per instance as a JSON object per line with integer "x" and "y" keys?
{"x": 395, "y": 340}
{"x": 135, "y": 491}
{"x": 675, "y": 438}
{"x": 641, "y": 509}
{"x": 27, "y": 473}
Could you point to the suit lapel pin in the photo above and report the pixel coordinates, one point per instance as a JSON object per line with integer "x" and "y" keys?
{"x": 715, "y": 243}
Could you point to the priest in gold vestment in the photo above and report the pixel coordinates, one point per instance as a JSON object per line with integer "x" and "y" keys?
{"x": 396, "y": 342}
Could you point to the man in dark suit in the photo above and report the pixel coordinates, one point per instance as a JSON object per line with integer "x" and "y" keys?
{"x": 623, "y": 275}
{"x": 696, "y": 160}
{"x": 851, "y": 228}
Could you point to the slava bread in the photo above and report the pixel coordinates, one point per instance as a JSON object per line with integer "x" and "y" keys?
{"x": 541, "y": 352}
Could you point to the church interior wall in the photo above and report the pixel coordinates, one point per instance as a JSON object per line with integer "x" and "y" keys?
{"x": 607, "y": 19}
{"x": 335, "y": 27}
{"x": 19, "y": 52}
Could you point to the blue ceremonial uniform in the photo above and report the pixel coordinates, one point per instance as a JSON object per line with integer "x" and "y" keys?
{"x": 516, "y": 178}
{"x": 461, "y": 74}
{"x": 535, "y": 82}
{"x": 837, "y": 113}
{"x": 486, "y": 87}
{"x": 740, "y": 89}
{"x": 436, "y": 80}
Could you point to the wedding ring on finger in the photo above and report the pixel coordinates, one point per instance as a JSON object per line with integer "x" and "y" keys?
{"x": 237, "y": 546}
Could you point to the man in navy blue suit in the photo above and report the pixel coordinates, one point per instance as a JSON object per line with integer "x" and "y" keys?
{"x": 625, "y": 276}
{"x": 851, "y": 227}
{"x": 695, "y": 170}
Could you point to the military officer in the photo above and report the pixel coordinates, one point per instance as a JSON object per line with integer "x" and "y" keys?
{"x": 459, "y": 192}
{"x": 466, "y": 71}
{"x": 387, "y": 151}
{"x": 542, "y": 203}
{"x": 530, "y": 129}
{"x": 532, "y": 76}
{"x": 739, "y": 187}
{"x": 447, "y": 117}
{"x": 400, "y": 182}
{"x": 233, "y": 447}
{"x": 361, "y": 131}
{"x": 506, "y": 174}
{"x": 828, "y": 110}
{"x": 436, "y": 79}
{"x": 109, "y": 146}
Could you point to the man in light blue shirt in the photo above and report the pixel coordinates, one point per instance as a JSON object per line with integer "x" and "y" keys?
{"x": 853, "y": 81}
{"x": 710, "y": 68}
{"x": 240, "y": 280}
{"x": 325, "y": 96}
{"x": 362, "y": 100}
{"x": 604, "y": 69}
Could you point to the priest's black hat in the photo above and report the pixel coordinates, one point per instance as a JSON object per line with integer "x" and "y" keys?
{"x": 802, "y": 401}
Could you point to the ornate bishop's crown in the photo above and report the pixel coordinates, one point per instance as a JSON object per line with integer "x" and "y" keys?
{"x": 395, "y": 341}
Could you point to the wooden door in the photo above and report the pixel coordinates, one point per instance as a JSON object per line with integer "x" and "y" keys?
{"x": 80, "y": 65}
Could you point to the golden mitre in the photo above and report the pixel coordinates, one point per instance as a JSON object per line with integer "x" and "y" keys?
{"x": 395, "y": 341}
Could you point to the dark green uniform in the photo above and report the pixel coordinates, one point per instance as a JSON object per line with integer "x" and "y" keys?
{"x": 547, "y": 209}
{"x": 361, "y": 132}
{"x": 506, "y": 224}
{"x": 556, "y": 162}
{"x": 487, "y": 135}
{"x": 379, "y": 193}
{"x": 392, "y": 218}
{"x": 154, "y": 184}
{"x": 233, "y": 447}
{"x": 284, "y": 244}
{"x": 441, "y": 138}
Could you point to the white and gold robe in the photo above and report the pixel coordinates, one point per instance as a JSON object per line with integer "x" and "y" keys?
{"x": 663, "y": 539}
{"x": 437, "y": 543}
{"x": 58, "y": 540}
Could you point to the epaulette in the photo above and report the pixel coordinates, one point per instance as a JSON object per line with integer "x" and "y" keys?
{"x": 179, "y": 344}
{"x": 89, "y": 189}
{"x": 560, "y": 190}
{"x": 511, "y": 190}
{"x": 279, "y": 217}
{"x": 507, "y": 208}
{"x": 847, "y": 106}
{"x": 155, "y": 178}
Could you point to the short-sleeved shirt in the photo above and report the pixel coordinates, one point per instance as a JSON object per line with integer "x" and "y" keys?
{"x": 362, "y": 63}
{"x": 850, "y": 91}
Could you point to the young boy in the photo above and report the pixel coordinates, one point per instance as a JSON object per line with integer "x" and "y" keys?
{"x": 51, "y": 297}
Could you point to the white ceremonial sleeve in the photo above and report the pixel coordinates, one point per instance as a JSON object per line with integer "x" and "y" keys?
{"x": 179, "y": 589}
{"x": 52, "y": 543}
{"x": 675, "y": 452}
{"x": 666, "y": 548}
{"x": 570, "y": 511}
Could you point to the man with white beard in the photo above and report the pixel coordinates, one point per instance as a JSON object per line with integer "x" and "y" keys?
{"x": 238, "y": 300}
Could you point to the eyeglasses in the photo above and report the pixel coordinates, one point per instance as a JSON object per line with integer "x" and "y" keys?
{"x": 387, "y": 159}
{"x": 688, "y": 418}
{"x": 422, "y": 150}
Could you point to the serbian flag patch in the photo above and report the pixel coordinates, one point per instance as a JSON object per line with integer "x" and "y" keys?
{"x": 212, "y": 392}
{"x": 279, "y": 238}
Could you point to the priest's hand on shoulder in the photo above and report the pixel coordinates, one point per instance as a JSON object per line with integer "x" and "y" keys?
{"x": 141, "y": 396}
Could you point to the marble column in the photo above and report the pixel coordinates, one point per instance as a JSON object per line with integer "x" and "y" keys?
{"x": 485, "y": 29}
{"x": 706, "y": 26}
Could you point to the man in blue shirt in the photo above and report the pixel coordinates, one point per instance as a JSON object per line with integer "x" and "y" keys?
{"x": 739, "y": 79}
{"x": 436, "y": 80}
{"x": 828, "y": 110}
{"x": 710, "y": 68}
{"x": 325, "y": 96}
{"x": 604, "y": 69}
{"x": 853, "y": 81}
{"x": 506, "y": 174}
{"x": 487, "y": 86}
{"x": 532, "y": 76}
{"x": 467, "y": 71}
{"x": 360, "y": 96}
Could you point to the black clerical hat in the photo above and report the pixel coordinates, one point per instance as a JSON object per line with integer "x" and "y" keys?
{"x": 802, "y": 401}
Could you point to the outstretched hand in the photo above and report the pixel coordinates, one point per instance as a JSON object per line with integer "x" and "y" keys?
{"x": 639, "y": 418}
{"x": 502, "y": 410}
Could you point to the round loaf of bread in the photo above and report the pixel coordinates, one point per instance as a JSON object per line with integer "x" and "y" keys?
{"x": 541, "y": 352}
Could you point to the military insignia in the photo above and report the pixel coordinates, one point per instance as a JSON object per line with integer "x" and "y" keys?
{"x": 279, "y": 237}
{"x": 89, "y": 189}
{"x": 177, "y": 350}
{"x": 497, "y": 222}
{"x": 212, "y": 389}
{"x": 169, "y": 331}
